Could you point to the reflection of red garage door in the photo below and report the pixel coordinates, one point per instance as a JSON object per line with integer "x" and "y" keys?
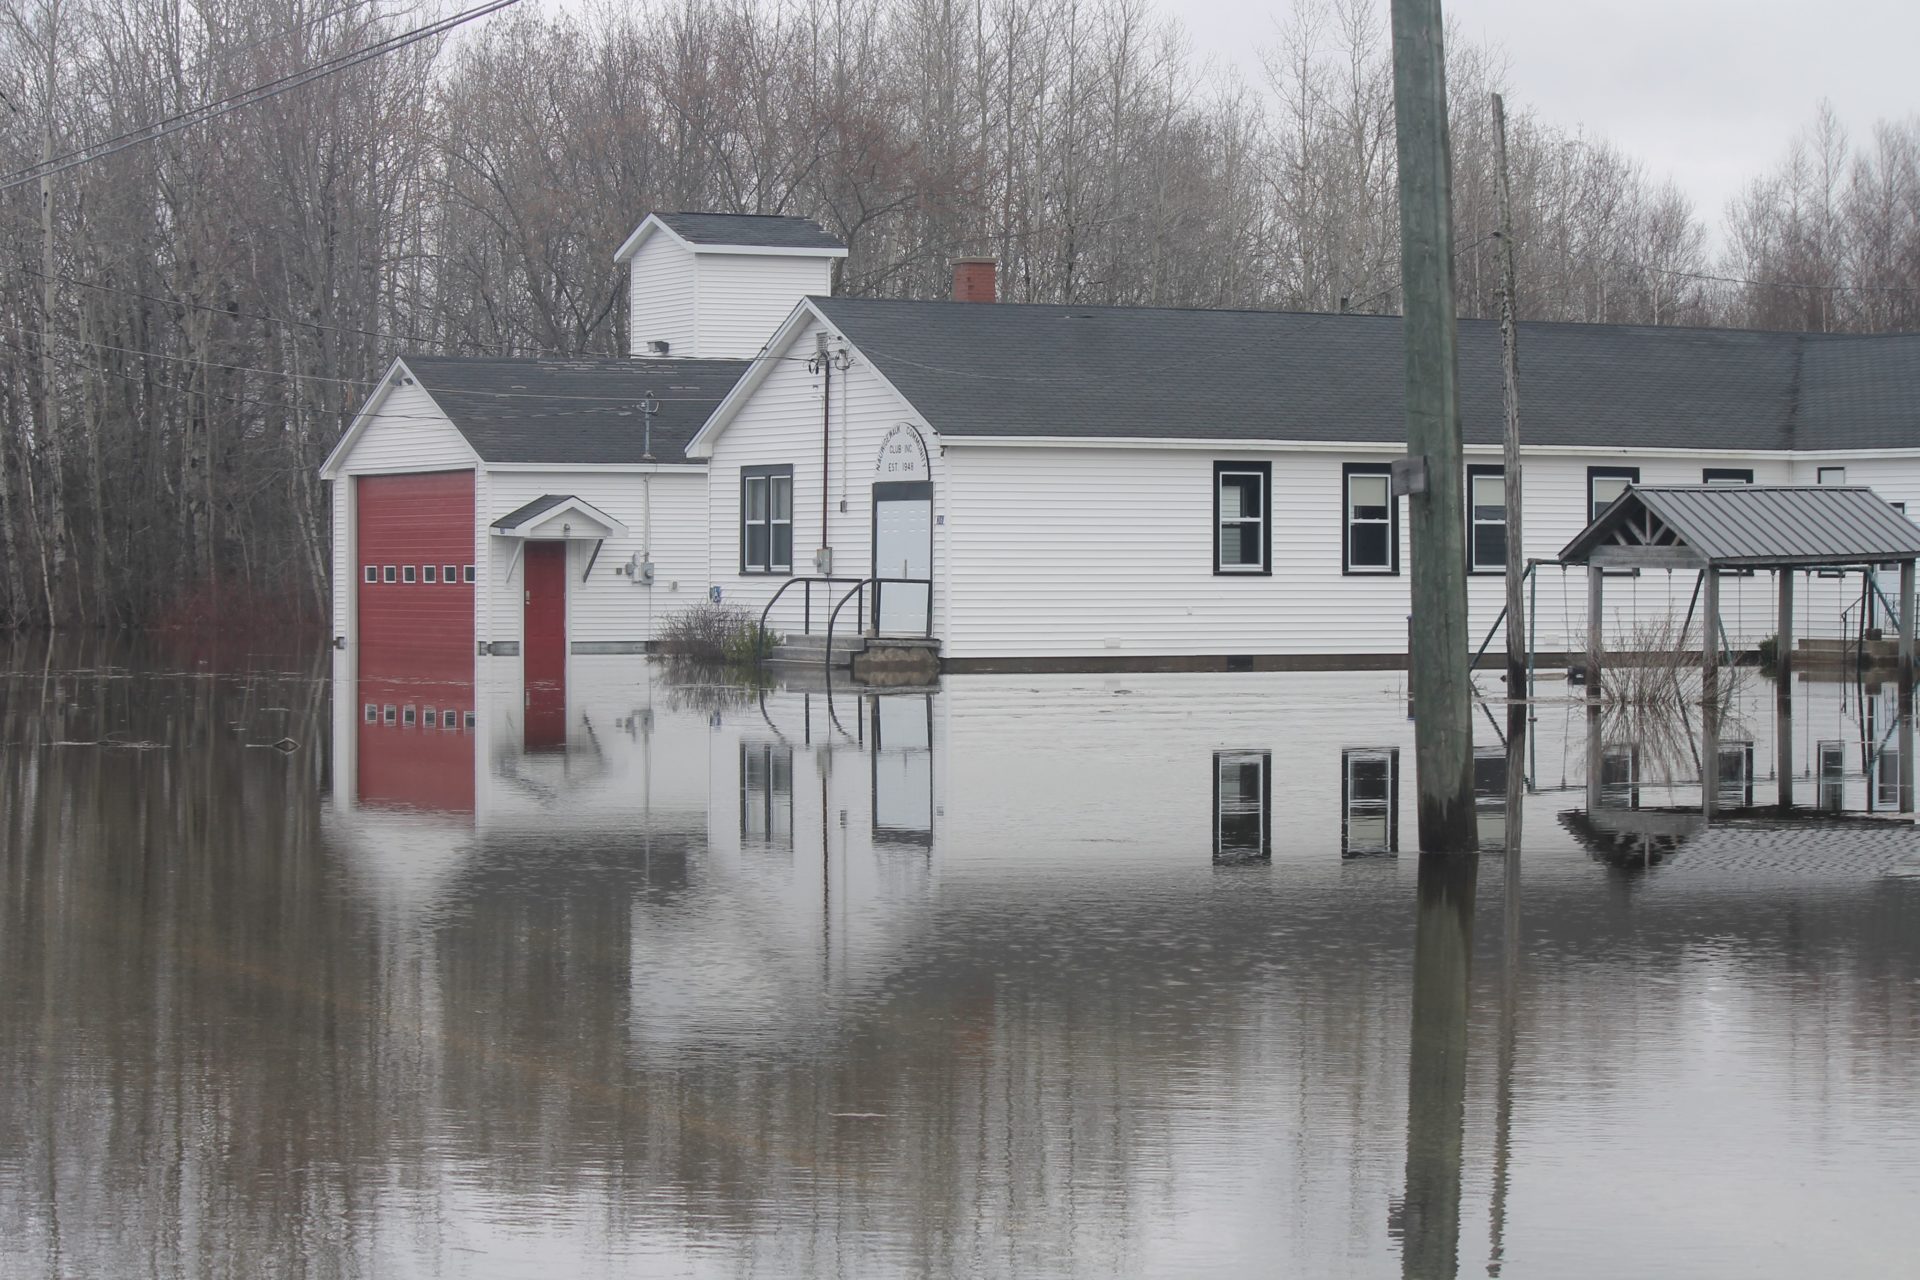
{"x": 414, "y": 531}
{"x": 416, "y": 738}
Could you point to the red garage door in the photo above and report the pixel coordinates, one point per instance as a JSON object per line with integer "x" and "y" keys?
{"x": 416, "y": 566}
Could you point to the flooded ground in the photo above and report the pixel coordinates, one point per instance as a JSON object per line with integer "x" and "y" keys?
{"x": 315, "y": 971}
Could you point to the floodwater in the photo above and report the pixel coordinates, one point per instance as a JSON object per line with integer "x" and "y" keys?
{"x": 314, "y": 971}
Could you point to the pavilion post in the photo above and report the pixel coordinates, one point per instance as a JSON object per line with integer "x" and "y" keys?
{"x": 1710, "y": 690}
{"x": 1596, "y": 592}
{"x": 1783, "y": 692}
{"x": 1783, "y": 753}
{"x": 1783, "y": 636}
{"x": 1906, "y": 755}
{"x": 1710, "y": 637}
{"x": 1906, "y": 631}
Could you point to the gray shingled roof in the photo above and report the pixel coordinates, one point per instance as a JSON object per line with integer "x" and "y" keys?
{"x": 757, "y": 230}
{"x": 539, "y": 506}
{"x": 575, "y": 410}
{"x": 1029, "y": 370}
{"x": 1760, "y": 526}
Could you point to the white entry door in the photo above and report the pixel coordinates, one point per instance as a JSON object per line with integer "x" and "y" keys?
{"x": 903, "y": 548}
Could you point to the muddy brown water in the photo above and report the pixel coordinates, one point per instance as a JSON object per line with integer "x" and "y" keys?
{"x": 1025, "y": 976}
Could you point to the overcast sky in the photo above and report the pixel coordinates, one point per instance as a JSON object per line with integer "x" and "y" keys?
{"x": 1706, "y": 91}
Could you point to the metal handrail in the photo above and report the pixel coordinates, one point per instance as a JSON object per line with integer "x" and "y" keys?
{"x": 861, "y": 591}
{"x": 806, "y": 623}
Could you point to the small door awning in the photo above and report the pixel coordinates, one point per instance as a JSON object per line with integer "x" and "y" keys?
{"x": 1745, "y": 526}
{"x": 559, "y": 516}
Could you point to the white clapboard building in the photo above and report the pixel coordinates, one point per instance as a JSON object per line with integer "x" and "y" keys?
{"x": 1049, "y": 486}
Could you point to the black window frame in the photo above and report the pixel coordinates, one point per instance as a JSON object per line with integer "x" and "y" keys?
{"x": 1265, "y": 471}
{"x": 761, "y": 795}
{"x": 1221, "y": 855}
{"x": 1389, "y": 809}
{"x": 1347, "y": 472}
{"x": 1632, "y": 476}
{"x": 1819, "y": 472}
{"x": 748, "y": 475}
{"x": 1474, "y": 471}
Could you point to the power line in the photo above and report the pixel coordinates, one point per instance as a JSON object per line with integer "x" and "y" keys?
{"x": 207, "y": 111}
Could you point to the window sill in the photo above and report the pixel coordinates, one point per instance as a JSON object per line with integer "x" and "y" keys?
{"x": 1219, "y": 572}
{"x": 1350, "y": 572}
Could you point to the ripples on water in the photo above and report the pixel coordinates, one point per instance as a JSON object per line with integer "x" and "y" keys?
{"x": 1032, "y": 976}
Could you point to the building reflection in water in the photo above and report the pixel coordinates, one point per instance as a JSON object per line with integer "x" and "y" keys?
{"x": 1369, "y": 801}
{"x": 715, "y": 988}
{"x": 1242, "y": 801}
{"x": 414, "y": 745}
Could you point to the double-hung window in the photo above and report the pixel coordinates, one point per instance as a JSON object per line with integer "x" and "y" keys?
{"x": 1487, "y": 519}
{"x": 1242, "y": 799}
{"x": 1605, "y": 485}
{"x": 1369, "y": 801}
{"x": 1371, "y": 532}
{"x": 1243, "y": 536}
{"x": 766, "y": 520}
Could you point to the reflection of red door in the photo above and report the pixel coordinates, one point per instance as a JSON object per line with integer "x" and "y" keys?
{"x": 544, "y": 647}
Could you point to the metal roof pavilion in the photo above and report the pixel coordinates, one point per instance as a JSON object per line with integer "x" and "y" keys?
{"x": 1745, "y": 526}
{"x": 1712, "y": 529}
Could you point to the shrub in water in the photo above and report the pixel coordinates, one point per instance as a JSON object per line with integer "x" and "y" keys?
{"x": 714, "y": 633}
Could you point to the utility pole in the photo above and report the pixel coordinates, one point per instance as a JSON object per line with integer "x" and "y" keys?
{"x": 1510, "y": 455}
{"x": 1437, "y": 666}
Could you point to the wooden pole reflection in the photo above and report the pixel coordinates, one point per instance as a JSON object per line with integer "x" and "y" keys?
{"x": 1509, "y": 986}
{"x": 1437, "y": 1063}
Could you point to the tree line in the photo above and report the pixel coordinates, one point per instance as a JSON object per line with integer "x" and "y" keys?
{"x": 187, "y": 325}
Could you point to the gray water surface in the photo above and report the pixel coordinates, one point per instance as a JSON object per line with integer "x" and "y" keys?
{"x": 1026, "y": 976}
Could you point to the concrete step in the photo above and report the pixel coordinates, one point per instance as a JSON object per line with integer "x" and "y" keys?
{"x": 1834, "y": 649}
{"x": 798, "y": 650}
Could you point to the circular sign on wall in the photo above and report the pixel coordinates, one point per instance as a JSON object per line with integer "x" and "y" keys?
{"x": 903, "y": 455}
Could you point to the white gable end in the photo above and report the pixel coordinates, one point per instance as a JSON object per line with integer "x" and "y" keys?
{"x": 401, "y": 430}
{"x": 660, "y": 296}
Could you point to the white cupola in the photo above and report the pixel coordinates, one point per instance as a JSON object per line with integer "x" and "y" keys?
{"x": 715, "y": 286}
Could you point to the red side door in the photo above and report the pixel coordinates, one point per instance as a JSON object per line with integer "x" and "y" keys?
{"x": 544, "y": 642}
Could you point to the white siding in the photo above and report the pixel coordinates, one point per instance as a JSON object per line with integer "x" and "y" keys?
{"x": 742, "y": 298}
{"x": 660, "y": 297}
{"x": 1091, "y": 553}
{"x": 781, "y": 424}
{"x": 606, "y": 607}
{"x": 345, "y": 581}
{"x": 409, "y": 433}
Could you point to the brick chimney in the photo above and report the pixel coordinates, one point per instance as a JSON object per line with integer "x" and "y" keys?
{"x": 973, "y": 280}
